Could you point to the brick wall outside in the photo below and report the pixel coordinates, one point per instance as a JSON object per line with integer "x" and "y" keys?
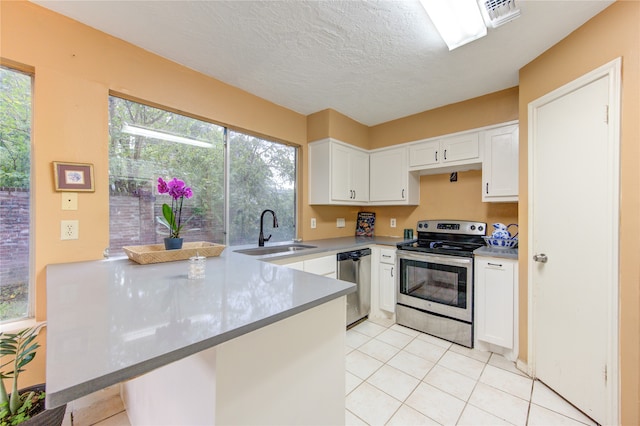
{"x": 132, "y": 222}
{"x": 14, "y": 236}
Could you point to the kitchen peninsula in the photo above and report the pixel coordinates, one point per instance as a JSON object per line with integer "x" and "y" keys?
{"x": 252, "y": 342}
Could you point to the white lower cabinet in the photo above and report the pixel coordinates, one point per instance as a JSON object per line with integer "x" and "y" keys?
{"x": 496, "y": 298}
{"x": 326, "y": 266}
{"x": 386, "y": 276}
{"x": 296, "y": 265}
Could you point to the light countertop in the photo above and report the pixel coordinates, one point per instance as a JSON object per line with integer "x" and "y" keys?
{"x": 496, "y": 252}
{"x": 111, "y": 320}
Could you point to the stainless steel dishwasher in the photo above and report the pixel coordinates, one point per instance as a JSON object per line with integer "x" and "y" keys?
{"x": 355, "y": 266}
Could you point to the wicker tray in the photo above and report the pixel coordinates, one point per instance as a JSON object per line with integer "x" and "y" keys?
{"x": 156, "y": 253}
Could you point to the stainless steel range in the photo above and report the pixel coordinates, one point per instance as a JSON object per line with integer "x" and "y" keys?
{"x": 435, "y": 283}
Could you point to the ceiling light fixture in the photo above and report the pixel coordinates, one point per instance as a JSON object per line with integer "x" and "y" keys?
{"x": 458, "y": 21}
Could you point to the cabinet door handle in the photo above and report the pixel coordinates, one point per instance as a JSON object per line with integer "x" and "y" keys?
{"x": 436, "y": 155}
{"x": 403, "y": 194}
{"x": 354, "y": 194}
{"x": 499, "y": 265}
{"x": 487, "y": 188}
{"x": 392, "y": 271}
{"x": 445, "y": 154}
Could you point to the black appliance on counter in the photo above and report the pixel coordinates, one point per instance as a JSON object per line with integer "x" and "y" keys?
{"x": 435, "y": 283}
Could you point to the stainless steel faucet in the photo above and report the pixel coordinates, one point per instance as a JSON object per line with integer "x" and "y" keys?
{"x": 261, "y": 238}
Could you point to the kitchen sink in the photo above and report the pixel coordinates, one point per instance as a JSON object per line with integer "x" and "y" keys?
{"x": 286, "y": 248}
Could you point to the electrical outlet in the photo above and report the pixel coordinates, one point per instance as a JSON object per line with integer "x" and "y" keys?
{"x": 313, "y": 223}
{"x": 69, "y": 201}
{"x": 340, "y": 222}
{"x": 393, "y": 222}
{"x": 69, "y": 230}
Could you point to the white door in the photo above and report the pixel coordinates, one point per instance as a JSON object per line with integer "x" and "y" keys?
{"x": 573, "y": 207}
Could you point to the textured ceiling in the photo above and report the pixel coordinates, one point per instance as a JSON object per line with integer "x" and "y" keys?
{"x": 373, "y": 61}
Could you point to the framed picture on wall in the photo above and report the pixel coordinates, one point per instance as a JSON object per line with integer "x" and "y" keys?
{"x": 73, "y": 177}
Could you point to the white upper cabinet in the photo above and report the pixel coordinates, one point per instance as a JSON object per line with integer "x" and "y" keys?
{"x": 338, "y": 173}
{"x": 449, "y": 153}
{"x": 389, "y": 179}
{"x": 500, "y": 164}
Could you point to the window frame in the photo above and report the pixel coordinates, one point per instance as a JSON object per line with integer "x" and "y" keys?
{"x": 227, "y": 162}
{"x": 28, "y": 320}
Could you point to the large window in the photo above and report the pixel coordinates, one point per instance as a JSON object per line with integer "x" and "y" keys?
{"x": 229, "y": 195}
{"x": 15, "y": 164}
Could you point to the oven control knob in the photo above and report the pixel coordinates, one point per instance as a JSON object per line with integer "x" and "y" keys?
{"x": 473, "y": 227}
{"x": 480, "y": 228}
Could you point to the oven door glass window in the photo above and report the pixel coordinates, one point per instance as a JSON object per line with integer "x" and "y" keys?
{"x": 442, "y": 284}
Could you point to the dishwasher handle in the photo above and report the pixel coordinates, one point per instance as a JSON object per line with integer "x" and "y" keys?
{"x": 354, "y": 255}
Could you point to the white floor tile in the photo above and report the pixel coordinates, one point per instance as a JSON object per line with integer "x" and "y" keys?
{"x": 362, "y": 365}
{"x": 356, "y": 339}
{"x": 540, "y": 416}
{"x": 451, "y": 382}
{"x": 120, "y": 419}
{"x": 385, "y": 322}
{"x": 434, "y": 340}
{"x": 405, "y": 330}
{"x": 407, "y": 416}
{"x": 473, "y": 416}
{"x": 351, "y": 419}
{"x": 394, "y": 382}
{"x": 476, "y": 354}
{"x": 411, "y": 364}
{"x": 425, "y": 350}
{"x": 499, "y": 361}
{"x": 395, "y": 338}
{"x": 462, "y": 364}
{"x": 351, "y": 382}
{"x": 436, "y": 404}
{"x": 97, "y": 410}
{"x": 379, "y": 350}
{"x": 511, "y": 383}
{"x": 371, "y": 404}
{"x": 545, "y": 397}
{"x": 369, "y": 328}
{"x": 501, "y": 404}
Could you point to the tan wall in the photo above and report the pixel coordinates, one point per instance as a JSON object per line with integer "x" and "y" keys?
{"x": 76, "y": 67}
{"x": 613, "y": 33}
{"x": 439, "y": 199}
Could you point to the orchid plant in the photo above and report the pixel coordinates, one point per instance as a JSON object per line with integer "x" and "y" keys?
{"x": 172, "y": 215}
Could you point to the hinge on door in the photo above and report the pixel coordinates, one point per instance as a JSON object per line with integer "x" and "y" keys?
{"x": 606, "y": 114}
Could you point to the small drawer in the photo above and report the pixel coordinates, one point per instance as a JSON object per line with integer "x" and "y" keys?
{"x": 388, "y": 256}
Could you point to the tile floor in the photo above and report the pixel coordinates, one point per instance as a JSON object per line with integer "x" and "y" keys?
{"x": 398, "y": 376}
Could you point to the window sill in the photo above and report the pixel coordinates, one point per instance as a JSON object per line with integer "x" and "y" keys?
{"x": 15, "y": 326}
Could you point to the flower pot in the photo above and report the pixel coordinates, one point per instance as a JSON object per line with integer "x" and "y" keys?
{"x": 52, "y": 417}
{"x": 172, "y": 243}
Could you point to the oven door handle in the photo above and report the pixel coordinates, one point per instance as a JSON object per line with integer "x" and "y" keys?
{"x": 434, "y": 258}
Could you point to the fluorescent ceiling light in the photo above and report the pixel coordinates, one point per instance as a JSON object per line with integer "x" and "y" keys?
{"x": 155, "y": 134}
{"x": 458, "y": 21}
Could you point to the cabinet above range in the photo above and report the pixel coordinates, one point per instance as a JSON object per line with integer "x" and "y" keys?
{"x": 447, "y": 154}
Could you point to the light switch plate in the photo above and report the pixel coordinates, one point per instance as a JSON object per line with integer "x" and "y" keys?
{"x": 69, "y": 201}
{"x": 340, "y": 222}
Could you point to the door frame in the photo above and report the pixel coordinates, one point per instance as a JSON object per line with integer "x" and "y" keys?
{"x": 613, "y": 71}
